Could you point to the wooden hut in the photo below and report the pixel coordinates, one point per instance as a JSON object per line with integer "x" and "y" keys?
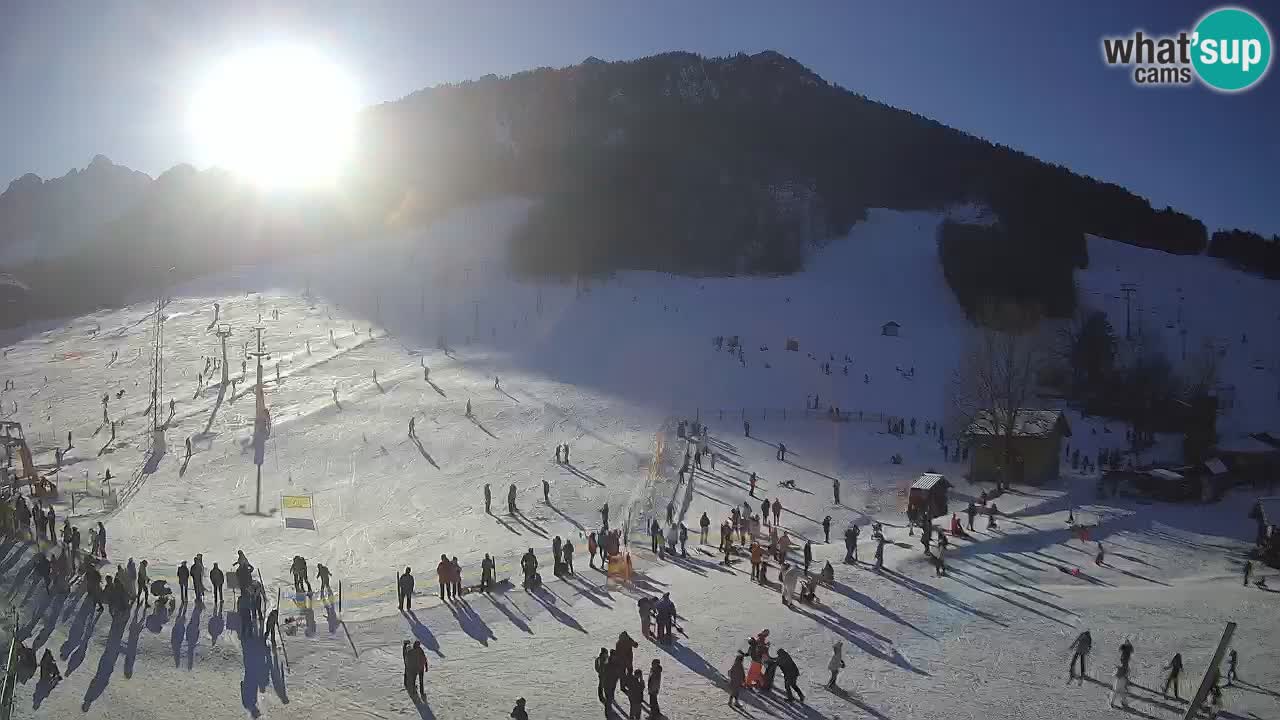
{"x": 1036, "y": 438}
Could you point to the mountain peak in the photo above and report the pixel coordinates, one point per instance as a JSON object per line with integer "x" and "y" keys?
{"x": 100, "y": 161}
{"x": 26, "y": 182}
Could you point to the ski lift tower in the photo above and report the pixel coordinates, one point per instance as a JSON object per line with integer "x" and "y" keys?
{"x": 224, "y": 332}
{"x": 261, "y": 425}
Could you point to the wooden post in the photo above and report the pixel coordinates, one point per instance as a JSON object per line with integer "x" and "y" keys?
{"x": 1211, "y": 673}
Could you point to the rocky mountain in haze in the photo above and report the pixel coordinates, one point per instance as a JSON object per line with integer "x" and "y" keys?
{"x": 674, "y": 162}
{"x": 53, "y": 218}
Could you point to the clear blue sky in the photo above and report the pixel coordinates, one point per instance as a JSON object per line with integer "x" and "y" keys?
{"x": 79, "y": 78}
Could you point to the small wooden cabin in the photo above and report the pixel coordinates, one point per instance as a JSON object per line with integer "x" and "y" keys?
{"x": 928, "y": 494}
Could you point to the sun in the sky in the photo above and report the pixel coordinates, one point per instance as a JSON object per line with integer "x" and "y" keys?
{"x": 279, "y": 116}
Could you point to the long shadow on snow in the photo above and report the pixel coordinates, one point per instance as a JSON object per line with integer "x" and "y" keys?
{"x": 510, "y": 615}
{"x": 869, "y": 602}
{"x": 856, "y": 634}
{"x": 530, "y": 524}
{"x": 958, "y": 570}
{"x": 193, "y": 635}
{"x": 562, "y": 514}
{"x": 581, "y": 473}
{"x": 695, "y": 662}
{"x": 425, "y": 454}
{"x": 277, "y": 677}
{"x": 106, "y": 663}
{"x": 941, "y": 596}
{"x": 137, "y": 622}
{"x": 471, "y": 622}
{"x": 480, "y": 425}
{"x": 257, "y": 674}
{"x": 422, "y": 632}
{"x": 954, "y": 573}
{"x": 548, "y": 600}
{"x": 853, "y": 700}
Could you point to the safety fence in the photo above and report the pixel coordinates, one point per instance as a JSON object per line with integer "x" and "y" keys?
{"x": 782, "y": 413}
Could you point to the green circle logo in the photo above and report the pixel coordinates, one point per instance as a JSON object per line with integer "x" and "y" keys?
{"x": 1231, "y": 49}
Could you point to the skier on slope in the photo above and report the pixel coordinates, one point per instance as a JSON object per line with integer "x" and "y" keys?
{"x": 511, "y": 499}
{"x": 488, "y": 497}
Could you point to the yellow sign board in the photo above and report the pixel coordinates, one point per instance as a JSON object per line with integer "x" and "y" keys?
{"x": 296, "y": 501}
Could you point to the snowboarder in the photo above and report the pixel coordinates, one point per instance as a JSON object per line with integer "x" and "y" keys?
{"x": 405, "y": 589}
{"x": 1175, "y": 669}
{"x": 511, "y": 500}
{"x": 488, "y": 498}
{"x": 835, "y": 664}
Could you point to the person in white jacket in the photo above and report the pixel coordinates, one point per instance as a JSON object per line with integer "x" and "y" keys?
{"x": 837, "y": 662}
{"x": 789, "y": 578}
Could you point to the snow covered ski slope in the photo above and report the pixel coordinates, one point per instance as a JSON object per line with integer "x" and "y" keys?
{"x": 608, "y": 368}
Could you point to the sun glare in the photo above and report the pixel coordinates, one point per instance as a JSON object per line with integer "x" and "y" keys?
{"x": 280, "y": 117}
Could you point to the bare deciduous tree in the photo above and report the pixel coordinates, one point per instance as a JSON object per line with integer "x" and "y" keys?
{"x": 999, "y": 373}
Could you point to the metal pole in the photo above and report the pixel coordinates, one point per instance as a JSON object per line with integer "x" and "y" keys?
{"x": 1210, "y": 675}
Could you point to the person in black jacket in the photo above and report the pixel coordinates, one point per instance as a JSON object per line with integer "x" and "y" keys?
{"x": 518, "y": 712}
{"x": 602, "y": 669}
{"x": 622, "y": 651}
{"x": 216, "y": 578}
{"x": 406, "y": 589}
{"x": 635, "y": 693}
{"x": 1175, "y": 669}
{"x": 655, "y": 684}
{"x": 789, "y": 674}
{"x": 184, "y": 578}
{"x": 808, "y": 555}
{"x": 613, "y": 672}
